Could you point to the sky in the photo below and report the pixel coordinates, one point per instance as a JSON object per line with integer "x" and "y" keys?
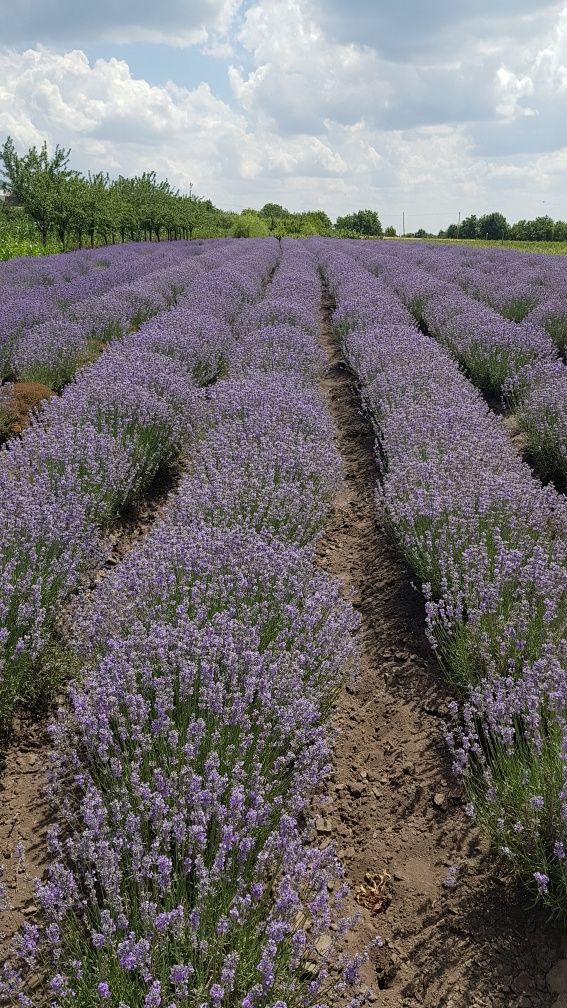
{"x": 425, "y": 107}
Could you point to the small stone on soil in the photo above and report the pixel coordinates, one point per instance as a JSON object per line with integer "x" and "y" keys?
{"x": 557, "y": 977}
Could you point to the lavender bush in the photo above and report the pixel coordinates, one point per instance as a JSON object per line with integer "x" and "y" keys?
{"x": 538, "y": 398}
{"x": 57, "y": 290}
{"x": 194, "y": 740}
{"x": 509, "y": 743}
{"x": 145, "y": 404}
{"x": 518, "y": 361}
{"x": 489, "y": 544}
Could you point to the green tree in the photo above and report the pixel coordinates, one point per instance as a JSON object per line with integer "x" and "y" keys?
{"x": 493, "y": 226}
{"x": 469, "y": 227}
{"x": 518, "y": 230}
{"x": 273, "y": 213}
{"x": 249, "y": 225}
{"x": 363, "y": 222}
{"x": 390, "y": 232}
{"x": 39, "y": 181}
{"x": 541, "y": 229}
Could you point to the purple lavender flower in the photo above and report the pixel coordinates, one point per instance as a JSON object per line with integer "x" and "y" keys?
{"x": 188, "y": 752}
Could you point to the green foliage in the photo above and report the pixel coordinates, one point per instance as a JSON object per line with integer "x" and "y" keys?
{"x": 52, "y": 208}
{"x": 539, "y": 229}
{"x": 544, "y": 248}
{"x": 249, "y": 224}
{"x": 273, "y": 214}
{"x": 469, "y": 228}
{"x": 40, "y": 182}
{"x": 493, "y": 226}
{"x": 61, "y": 208}
{"x": 284, "y": 224}
{"x": 10, "y": 248}
{"x": 363, "y": 222}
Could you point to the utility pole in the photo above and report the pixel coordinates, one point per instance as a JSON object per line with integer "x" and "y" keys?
{"x": 459, "y": 226}
{"x": 404, "y": 223}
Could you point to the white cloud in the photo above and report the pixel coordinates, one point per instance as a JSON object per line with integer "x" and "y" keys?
{"x": 313, "y": 120}
{"x": 114, "y": 121}
{"x": 300, "y": 78}
{"x": 510, "y": 90}
{"x": 173, "y": 22}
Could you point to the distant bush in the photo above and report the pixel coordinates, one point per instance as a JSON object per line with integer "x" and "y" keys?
{"x": 12, "y": 247}
{"x": 249, "y": 225}
{"x": 363, "y": 222}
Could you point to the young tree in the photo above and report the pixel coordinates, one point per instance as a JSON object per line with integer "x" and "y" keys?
{"x": 249, "y": 225}
{"x": 39, "y": 181}
{"x": 192, "y": 214}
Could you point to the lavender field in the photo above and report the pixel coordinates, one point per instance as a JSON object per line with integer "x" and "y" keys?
{"x": 203, "y": 442}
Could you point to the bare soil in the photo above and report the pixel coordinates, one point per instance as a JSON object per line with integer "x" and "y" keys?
{"x": 24, "y": 397}
{"x": 395, "y": 810}
{"x": 24, "y": 819}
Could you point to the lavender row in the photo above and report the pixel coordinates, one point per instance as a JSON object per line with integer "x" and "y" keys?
{"x": 181, "y": 873}
{"x": 518, "y": 287}
{"x": 67, "y": 285}
{"x": 96, "y": 447}
{"x": 502, "y": 357}
{"x": 490, "y": 348}
{"x": 57, "y": 282}
{"x": 530, "y": 288}
{"x": 537, "y": 396}
{"x": 54, "y": 337}
{"x": 489, "y": 544}
{"x": 51, "y": 351}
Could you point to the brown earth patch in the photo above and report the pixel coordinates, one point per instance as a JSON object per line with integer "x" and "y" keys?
{"x": 17, "y": 405}
{"x": 24, "y": 821}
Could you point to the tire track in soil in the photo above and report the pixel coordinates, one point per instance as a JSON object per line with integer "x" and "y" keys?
{"x": 394, "y": 809}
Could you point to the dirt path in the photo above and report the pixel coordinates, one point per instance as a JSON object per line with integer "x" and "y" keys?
{"x": 457, "y": 933}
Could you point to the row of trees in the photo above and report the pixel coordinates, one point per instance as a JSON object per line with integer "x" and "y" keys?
{"x": 60, "y": 207}
{"x": 495, "y": 227}
{"x": 275, "y": 219}
{"x": 78, "y": 209}
{"x": 55, "y": 204}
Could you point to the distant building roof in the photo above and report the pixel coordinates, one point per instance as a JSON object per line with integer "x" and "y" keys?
{"x": 8, "y": 197}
